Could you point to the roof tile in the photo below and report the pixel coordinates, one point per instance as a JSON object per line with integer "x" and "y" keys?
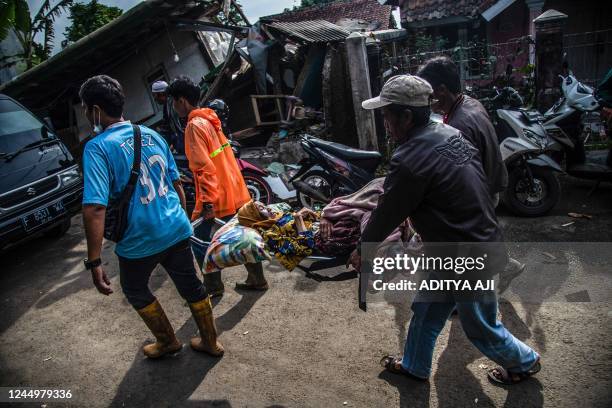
{"x": 421, "y": 10}
{"x": 367, "y": 10}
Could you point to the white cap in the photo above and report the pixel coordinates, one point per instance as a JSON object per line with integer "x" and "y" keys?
{"x": 159, "y": 86}
{"x": 406, "y": 90}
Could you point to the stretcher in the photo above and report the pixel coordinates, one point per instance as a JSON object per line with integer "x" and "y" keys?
{"x": 310, "y": 265}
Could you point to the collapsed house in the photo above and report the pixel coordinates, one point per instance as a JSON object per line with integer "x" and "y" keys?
{"x": 293, "y": 70}
{"x": 282, "y": 76}
{"x": 138, "y": 48}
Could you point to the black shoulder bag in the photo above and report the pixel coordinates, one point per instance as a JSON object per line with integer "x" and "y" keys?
{"x": 116, "y": 220}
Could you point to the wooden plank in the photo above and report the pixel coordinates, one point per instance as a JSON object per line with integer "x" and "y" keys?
{"x": 326, "y": 92}
{"x": 357, "y": 57}
{"x": 256, "y": 110}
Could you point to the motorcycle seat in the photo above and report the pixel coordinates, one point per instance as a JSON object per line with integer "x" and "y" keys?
{"x": 345, "y": 152}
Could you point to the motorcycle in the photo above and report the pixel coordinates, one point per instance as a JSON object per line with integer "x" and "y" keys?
{"x": 331, "y": 170}
{"x": 564, "y": 124}
{"x": 533, "y": 188}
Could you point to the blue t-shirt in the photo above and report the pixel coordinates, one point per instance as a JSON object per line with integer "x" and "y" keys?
{"x": 156, "y": 220}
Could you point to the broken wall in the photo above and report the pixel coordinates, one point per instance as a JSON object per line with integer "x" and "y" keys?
{"x": 337, "y": 98}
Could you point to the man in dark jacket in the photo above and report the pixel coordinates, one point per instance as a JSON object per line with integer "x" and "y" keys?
{"x": 437, "y": 180}
{"x": 470, "y": 117}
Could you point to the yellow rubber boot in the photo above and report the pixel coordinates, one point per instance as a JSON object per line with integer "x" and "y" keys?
{"x": 203, "y": 315}
{"x": 156, "y": 320}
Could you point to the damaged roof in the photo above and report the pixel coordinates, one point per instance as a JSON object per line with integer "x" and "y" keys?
{"x": 315, "y": 31}
{"x": 370, "y": 11}
{"x": 432, "y": 10}
{"x": 100, "y": 51}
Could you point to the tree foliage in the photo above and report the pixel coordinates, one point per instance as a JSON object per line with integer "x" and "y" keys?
{"x": 15, "y": 16}
{"x": 87, "y": 18}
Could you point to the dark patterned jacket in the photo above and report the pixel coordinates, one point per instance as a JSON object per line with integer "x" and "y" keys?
{"x": 471, "y": 118}
{"x": 436, "y": 179}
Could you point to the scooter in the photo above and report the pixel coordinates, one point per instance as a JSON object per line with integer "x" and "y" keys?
{"x": 564, "y": 124}
{"x": 533, "y": 188}
{"x": 331, "y": 170}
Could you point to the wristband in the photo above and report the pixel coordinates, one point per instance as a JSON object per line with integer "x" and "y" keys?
{"x": 92, "y": 264}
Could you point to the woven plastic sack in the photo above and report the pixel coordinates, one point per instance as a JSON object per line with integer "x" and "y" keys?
{"x": 232, "y": 245}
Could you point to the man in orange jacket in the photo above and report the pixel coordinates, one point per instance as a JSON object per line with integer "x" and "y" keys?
{"x": 220, "y": 188}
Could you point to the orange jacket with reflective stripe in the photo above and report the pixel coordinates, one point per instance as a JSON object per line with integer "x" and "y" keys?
{"x": 215, "y": 171}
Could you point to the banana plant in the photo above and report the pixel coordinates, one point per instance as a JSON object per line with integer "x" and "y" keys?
{"x": 15, "y": 16}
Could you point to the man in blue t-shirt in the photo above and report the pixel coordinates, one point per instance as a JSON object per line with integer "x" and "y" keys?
{"x": 158, "y": 229}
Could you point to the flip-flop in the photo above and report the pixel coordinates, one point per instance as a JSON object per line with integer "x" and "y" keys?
{"x": 500, "y": 375}
{"x": 393, "y": 365}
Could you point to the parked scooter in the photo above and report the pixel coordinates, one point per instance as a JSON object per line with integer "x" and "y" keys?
{"x": 263, "y": 187}
{"x": 533, "y": 188}
{"x": 563, "y": 123}
{"x": 332, "y": 170}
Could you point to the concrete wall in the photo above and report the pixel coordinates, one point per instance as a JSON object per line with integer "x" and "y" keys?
{"x": 512, "y": 23}
{"x": 158, "y": 54}
{"x": 9, "y": 46}
{"x": 132, "y": 73}
{"x": 588, "y": 37}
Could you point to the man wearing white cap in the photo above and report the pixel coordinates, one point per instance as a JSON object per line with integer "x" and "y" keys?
{"x": 170, "y": 129}
{"x": 436, "y": 178}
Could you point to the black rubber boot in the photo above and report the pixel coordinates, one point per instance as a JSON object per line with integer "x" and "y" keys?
{"x": 214, "y": 284}
{"x": 255, "y": 278}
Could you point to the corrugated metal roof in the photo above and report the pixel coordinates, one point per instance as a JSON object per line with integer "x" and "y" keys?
{"x": 314, "y": 31}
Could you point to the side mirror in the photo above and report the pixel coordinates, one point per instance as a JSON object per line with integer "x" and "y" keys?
{"x": 49, "y": 124}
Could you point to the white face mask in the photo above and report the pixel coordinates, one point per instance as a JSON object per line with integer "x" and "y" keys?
{"x": 97, "y": 128}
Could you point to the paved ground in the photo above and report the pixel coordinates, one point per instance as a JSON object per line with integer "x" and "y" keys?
{"x": 302, "y": 343}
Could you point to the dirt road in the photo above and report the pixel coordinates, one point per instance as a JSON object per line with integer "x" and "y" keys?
{"x": 302, "y": 343}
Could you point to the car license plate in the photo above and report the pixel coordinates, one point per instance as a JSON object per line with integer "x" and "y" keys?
{"x": 43, "y": 216}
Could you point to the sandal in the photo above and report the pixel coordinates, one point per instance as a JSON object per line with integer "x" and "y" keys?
{"x": 394, "y": 365}
{"x": 502, "y": 376}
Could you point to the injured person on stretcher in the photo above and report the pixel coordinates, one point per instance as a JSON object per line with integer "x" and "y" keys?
{"x": 259, "y": 232}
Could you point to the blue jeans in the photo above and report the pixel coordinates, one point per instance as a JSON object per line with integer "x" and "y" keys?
{"x": 480, "y": 324}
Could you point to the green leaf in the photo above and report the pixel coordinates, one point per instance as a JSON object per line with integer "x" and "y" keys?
{"x": 86, "y": 18}
{"x": 7, "y": 17}
{"x": 48, "y": 39}
{"x": 22, "y": 16}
